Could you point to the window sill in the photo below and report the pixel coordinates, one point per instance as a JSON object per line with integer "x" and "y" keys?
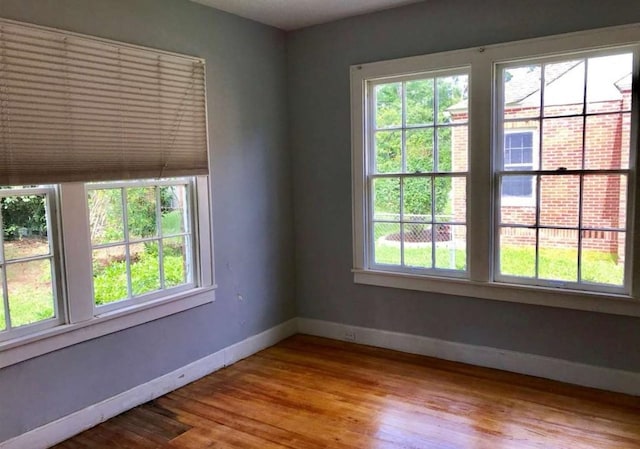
{"x": 34, "y": 345}
{"x": 542, "y": 296}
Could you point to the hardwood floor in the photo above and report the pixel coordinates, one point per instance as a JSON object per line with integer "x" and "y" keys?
{"x": 312, "y": 393}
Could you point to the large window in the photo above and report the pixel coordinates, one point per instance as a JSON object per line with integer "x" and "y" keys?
{"x": 580, "y": 109}
{"x": 105, "y": 209}
{"x": 418, "y": 173}
{"x": 510, "y": 168}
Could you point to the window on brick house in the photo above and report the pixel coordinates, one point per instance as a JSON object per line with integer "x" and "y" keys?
{"x": 518, "y": 155}
{"x": 548, "y": 132}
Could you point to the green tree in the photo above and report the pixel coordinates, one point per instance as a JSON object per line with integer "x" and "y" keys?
{"x": 420, "y": 107}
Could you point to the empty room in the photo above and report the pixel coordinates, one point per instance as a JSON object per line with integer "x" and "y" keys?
{"x": 306, "y": 224}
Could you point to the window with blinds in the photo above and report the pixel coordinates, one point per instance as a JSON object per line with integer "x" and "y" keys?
{"x": 77, "y": 108}
{"x": 105, "y": 219}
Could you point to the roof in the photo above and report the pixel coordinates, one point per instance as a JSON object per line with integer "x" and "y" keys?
{"x": 607, "y": 78}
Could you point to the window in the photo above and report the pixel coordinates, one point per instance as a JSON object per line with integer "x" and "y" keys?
{"x": 141, "y": 239}
{"x": 418, "y": 148}
{"x": 105, "y": 205}
{"x": 575, "y": 233}
{"x": 523, "y": 173}
{"x": 29, "y": 289}
{"x": 518, "y": 155}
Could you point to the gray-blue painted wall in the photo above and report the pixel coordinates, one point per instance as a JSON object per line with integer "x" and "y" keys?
{"x": 252, "y": 206}
{"x": 318, "y": 69}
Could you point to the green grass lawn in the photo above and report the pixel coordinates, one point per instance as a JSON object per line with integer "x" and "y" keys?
{"x": 554, "y": 264}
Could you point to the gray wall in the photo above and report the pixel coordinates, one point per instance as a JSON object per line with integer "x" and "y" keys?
{"x": 318, "y": 69}
{"x": 252, "y": 205}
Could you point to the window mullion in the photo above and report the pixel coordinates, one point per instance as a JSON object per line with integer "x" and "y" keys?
{"x": 633, "y": 184}
{"x": 76, "y": 238}
{"x": 480, "y": 178}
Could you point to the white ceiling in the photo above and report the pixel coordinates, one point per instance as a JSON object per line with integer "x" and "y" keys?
{"x": 294, "y": 14}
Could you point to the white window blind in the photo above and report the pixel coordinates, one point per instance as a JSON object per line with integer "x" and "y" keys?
{"x": 76, "y": 108}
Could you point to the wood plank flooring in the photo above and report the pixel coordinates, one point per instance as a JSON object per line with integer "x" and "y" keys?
{"x": 313, "y": 393}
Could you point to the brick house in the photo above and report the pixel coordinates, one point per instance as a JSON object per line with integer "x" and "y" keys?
{"x": 606, "y": 146}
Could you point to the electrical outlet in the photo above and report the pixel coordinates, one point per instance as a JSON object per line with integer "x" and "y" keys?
{"x": 350, "y": 335}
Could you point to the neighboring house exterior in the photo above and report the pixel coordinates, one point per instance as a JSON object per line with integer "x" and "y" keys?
{"x": 606, "y": 145}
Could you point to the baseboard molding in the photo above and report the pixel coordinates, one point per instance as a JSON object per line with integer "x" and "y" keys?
{"x": 535, "y": 365}
{"x": 70, "y": 425}
{"x": 518, "y": 362}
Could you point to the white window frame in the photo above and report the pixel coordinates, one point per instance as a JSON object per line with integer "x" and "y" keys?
{"x": 481, "y": 281}
{"x": 79, "y": 320}
{"x": 403, "y": 174}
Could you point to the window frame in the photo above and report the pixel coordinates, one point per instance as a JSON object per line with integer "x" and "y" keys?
{"x": 81, "y": 320}
{"x": 53, "y": 237}
{"x": 403, "y": 174}
{"x": 191, "y": 246}
{"x": 481, "y": 211}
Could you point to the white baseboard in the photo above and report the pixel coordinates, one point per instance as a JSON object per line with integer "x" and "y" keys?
{"x": 518, "y": 362}
{"x": 70, "y": 425}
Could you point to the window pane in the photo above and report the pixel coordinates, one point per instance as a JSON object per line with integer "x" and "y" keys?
{"x": 604, "y": 201}
{"x": 562, "y": 143}
{"x": 564, "y": 88}
{"x": 419, "y": 146}
{"x": 451, "y": 244}
{"x": 457, "y": 146}
{"x": 444, "y": 149}
{"x": 420, "y": 102}
{"x": 443, "y": 188}
{"x": 456, "y": 209}
{"x": 141, "y": 212}
{"x": 145, "y": 268}
{"x": 417, "y": 199}
{"x": 518, "y": 252}
{"x": 559, "y": 200}
{"x": 105, "y": 216}
{"x": 386, "y": 237}
{"x": 520, "y": 214}
{"x": 518, "y": 190}
{"x": 30, "y": 291}
{"x": 609, "y": 83}
{"x": 110, "y": 275}
{"x": 558, "y": 255}
{"x": 452, "y": 90}
{"x": 603, "y": 256}
{"x": 388, "y": 105}
{"x": 520, "y": 149}
{"x": 522, "y": 91}
{"x": 174, "y": 261}
{"x": 607, "y": 141}
{"x": 417, "y": 245}
{"x": 388, "y": 152}
{"x": 24, "y": 222}
{"x": 173, "y": 204}
{"x": 386, "y": 199}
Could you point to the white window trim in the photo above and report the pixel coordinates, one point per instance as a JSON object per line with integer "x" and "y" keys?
{"x": 83, "y": 324}
{"x": 479, "y": 201}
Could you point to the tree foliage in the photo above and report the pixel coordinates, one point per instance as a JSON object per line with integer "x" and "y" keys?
{"x": 23, "y": 215}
